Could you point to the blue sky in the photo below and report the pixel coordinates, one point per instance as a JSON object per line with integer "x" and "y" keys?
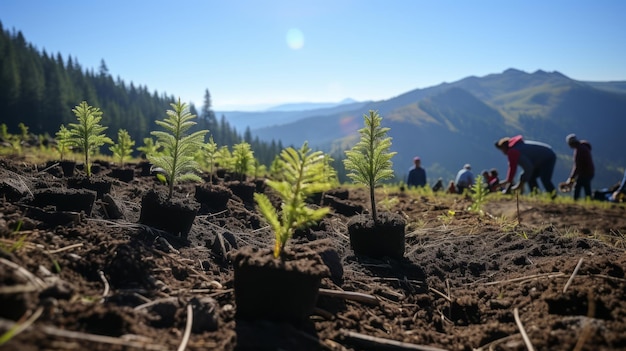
{"x": 252, "y": 54}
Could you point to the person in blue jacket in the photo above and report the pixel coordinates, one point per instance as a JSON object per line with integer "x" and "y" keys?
{"x": 417, "y": 174}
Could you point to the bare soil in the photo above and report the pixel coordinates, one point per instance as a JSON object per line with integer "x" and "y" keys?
{"x": 466, "y": 282}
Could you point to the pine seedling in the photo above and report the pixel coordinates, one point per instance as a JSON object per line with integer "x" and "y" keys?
{"x": 63, "y": 137}
{"x": 210, "y": 156}
{"x": 243, "y": 158}
{"x": 124, "y": 146}
{"x": 478, "y": 195}
{"x": 303, "y": 176}
{"x": 369, "y": 161}
{"x": 178, "y": 148}
{"x": 276, "y": 168}
{"x": 23, "y": 131}
{"x": 224, "y": 158}
{"x": 88, "y": 134}
{"x": 150, "y": 147}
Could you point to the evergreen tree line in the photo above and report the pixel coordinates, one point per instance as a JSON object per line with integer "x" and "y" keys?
{"x": 40, "y": 89}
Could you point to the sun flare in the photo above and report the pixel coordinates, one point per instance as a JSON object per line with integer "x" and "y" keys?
{"x": 295, "y": 39}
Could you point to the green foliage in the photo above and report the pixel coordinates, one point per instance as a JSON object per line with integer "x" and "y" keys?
{"x": 243, "y": 159}
{"x": 329, "y": 171}
{"x": 150, "y": 147}
{"x": 303, "y": 176}
{"x": 124, "y": 146}
{"x": 178, "y": 148}
{"x": 276, "y": 168}
{"x": 478, "y": 194}
{"x": 210, "y": 156}
{"x": 19, "y": 243}
{"x": 63, "y": 138}
{"x": 259, "y": 169}
{"x": 88, "y": 135}
{"x": 4, "y": 131}
{"x": 369, "y": 161}
{"x": 224, "y": 158}
{"x": 23, "y": 131}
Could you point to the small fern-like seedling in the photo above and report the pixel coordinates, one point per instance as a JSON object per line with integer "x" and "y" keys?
{"x": 225, "y": 159}
{"x": 150, "y": 147}
{"x": 177, "y": 159}
{"x": 210, "y": 156}
{"x": 124, "y": 146}
{"x": 88, "y": 134}
{"x": 369, "y": 161}
{"x": 243, "y": 159}
{"x": 478, "y": 195}
{"x": 303, "y": 176}
{"x": 63, "y": 141}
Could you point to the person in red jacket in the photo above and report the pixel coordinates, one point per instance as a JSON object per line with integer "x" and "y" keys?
{"x": 535, "y": 158}
{"x": 583, "y": 170}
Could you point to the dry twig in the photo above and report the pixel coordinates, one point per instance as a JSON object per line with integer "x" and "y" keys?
{"x": 522, "y": 331}
{"x": 354, "y": 296}
{"x": 542, "y": 275}
{"x": 64, "y": 248}
{"x": 571, "y": 279}
{"x": 105, "y": 293}
{"x": 24, "y": 272}
{"x": 18, "y": 328}
{"x": 185, "y": 340}
{"x": 376, "y": 343}
{"x": 440, "y": 293}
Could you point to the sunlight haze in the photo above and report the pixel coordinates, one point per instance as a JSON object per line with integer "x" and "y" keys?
{"x": 256, "y": 54}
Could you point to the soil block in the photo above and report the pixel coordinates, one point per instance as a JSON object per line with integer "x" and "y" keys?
{"x": 278, "y": 290}
{"x": 174, "y": 216}
{"x": 75, "y": 200}
{"x": 385, "y": 238}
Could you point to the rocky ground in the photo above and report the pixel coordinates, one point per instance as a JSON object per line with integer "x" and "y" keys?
{"x": 467, "y": 281}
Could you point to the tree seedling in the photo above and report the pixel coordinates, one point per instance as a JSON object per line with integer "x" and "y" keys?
{"x": 88, "y": 135}
{"x": 303, "y": 176}
{"x": 177, "y": 159}
{"x": 150, "y": 147}
{"x": 478, "y": 195}
{"x": 64, "y": 143}
{"x": 369, "y": 161}
{"x": 243, "y": 159}
{"x": 210, "y": 156}
{"x": 124, "y": 146}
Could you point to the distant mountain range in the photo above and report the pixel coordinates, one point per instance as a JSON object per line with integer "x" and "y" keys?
{"x": 451, "y": 124}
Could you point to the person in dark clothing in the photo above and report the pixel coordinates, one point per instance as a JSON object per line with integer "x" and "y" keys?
{"x": 438, "y": 186}
{"x": 417, "y": 174}
{"x": 535, "y": 158}
{"x": 583, "y": 170}
{"x": 494, "y": 180}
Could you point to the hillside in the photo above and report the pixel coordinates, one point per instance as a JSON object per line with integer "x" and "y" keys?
{"x": 451, "y": 124}
{"x": 93, "y": 282}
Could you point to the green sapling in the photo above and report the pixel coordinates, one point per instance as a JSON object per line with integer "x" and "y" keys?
{"x": 369, "y": 161}
{"x": 63, "y": 141}
{"x": 243, "y": 159}
{"x": 210, "y": 156}
{"x": 302, "y": 176}
{"x": 124, "y": 146}
{"x": 150, "y": 147}
{"x": 88, "y": 135}
{"x": 177, "y": 159}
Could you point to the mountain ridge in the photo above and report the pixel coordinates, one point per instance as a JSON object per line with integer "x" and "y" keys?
{"x": 455, "y": 123}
